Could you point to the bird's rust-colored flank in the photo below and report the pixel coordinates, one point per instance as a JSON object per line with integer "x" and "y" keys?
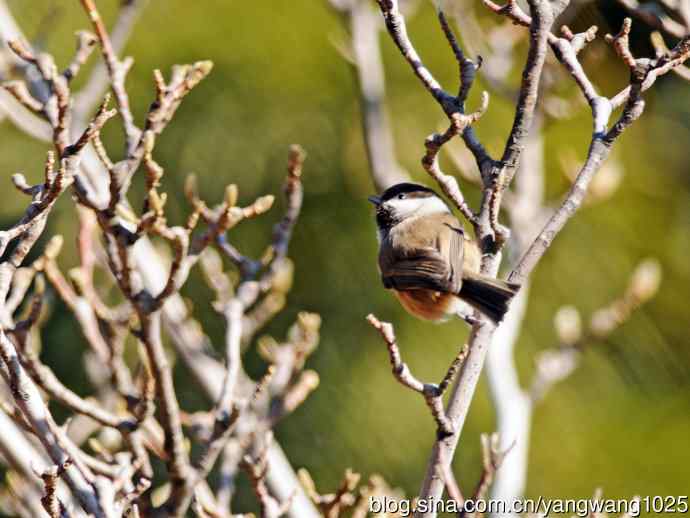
{"x": 426, "y": 304}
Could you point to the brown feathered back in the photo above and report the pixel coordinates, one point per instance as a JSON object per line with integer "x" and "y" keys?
{"x": 424, "y": 252}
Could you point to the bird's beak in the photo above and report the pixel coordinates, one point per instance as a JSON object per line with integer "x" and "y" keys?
{"x": 376, "y": 200}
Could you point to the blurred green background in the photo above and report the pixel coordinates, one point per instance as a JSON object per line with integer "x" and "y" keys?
{"x": 620, "y": 422}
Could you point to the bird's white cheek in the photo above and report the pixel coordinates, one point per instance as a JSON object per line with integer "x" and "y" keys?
{"x": 418, "y": 207}
{"x": 431, "y": 206}
{"x": 405, "y": 208}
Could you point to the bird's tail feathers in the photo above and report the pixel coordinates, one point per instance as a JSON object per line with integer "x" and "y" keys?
{"x": 490, "y": 296}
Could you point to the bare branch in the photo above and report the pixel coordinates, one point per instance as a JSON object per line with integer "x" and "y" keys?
{"x": 451, "y": 105}
{"x": 99, "y": 81}
{"x": 118, "y": 71}
{"x": 366, "y": 59}
{"x": 128, "y": 470}
{"x": 655, "y": 18}
{"x": 643, "y": 71}
{"x": 256, "y": 467}
{"x": 52, "y": 504}
{"x": 492, "y": 458}
{"x": 85, "y": 45}
{"x": 20, "y": 92}
{"x": 29, "y": 401}
{"x": 30, "y": 227}
{"x": 178, "y": 463}
{"x": 557, "y": 363}
{"x": 433, "y": 394}
{"x": 332, "y": 505}
{"x": 661, "y": 49}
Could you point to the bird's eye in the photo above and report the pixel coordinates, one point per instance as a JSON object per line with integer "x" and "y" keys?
{"x": 401, "y": 196}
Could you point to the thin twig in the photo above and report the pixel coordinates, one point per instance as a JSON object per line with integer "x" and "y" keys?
{"x": 432, "y": 393}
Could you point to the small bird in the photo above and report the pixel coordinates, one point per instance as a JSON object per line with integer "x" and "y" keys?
{"x": 428, "y": 261}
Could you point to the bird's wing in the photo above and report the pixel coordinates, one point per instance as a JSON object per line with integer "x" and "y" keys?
{"x": 452, "y": 241}
{"x": 426, "y": 270}
{"x": 437, "y": 267}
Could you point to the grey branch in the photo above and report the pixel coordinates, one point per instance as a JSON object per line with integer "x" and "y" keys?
{"x": 432, "y": 393}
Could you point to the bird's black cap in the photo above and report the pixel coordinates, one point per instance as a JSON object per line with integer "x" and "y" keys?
{"x": 408, "y": 188}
